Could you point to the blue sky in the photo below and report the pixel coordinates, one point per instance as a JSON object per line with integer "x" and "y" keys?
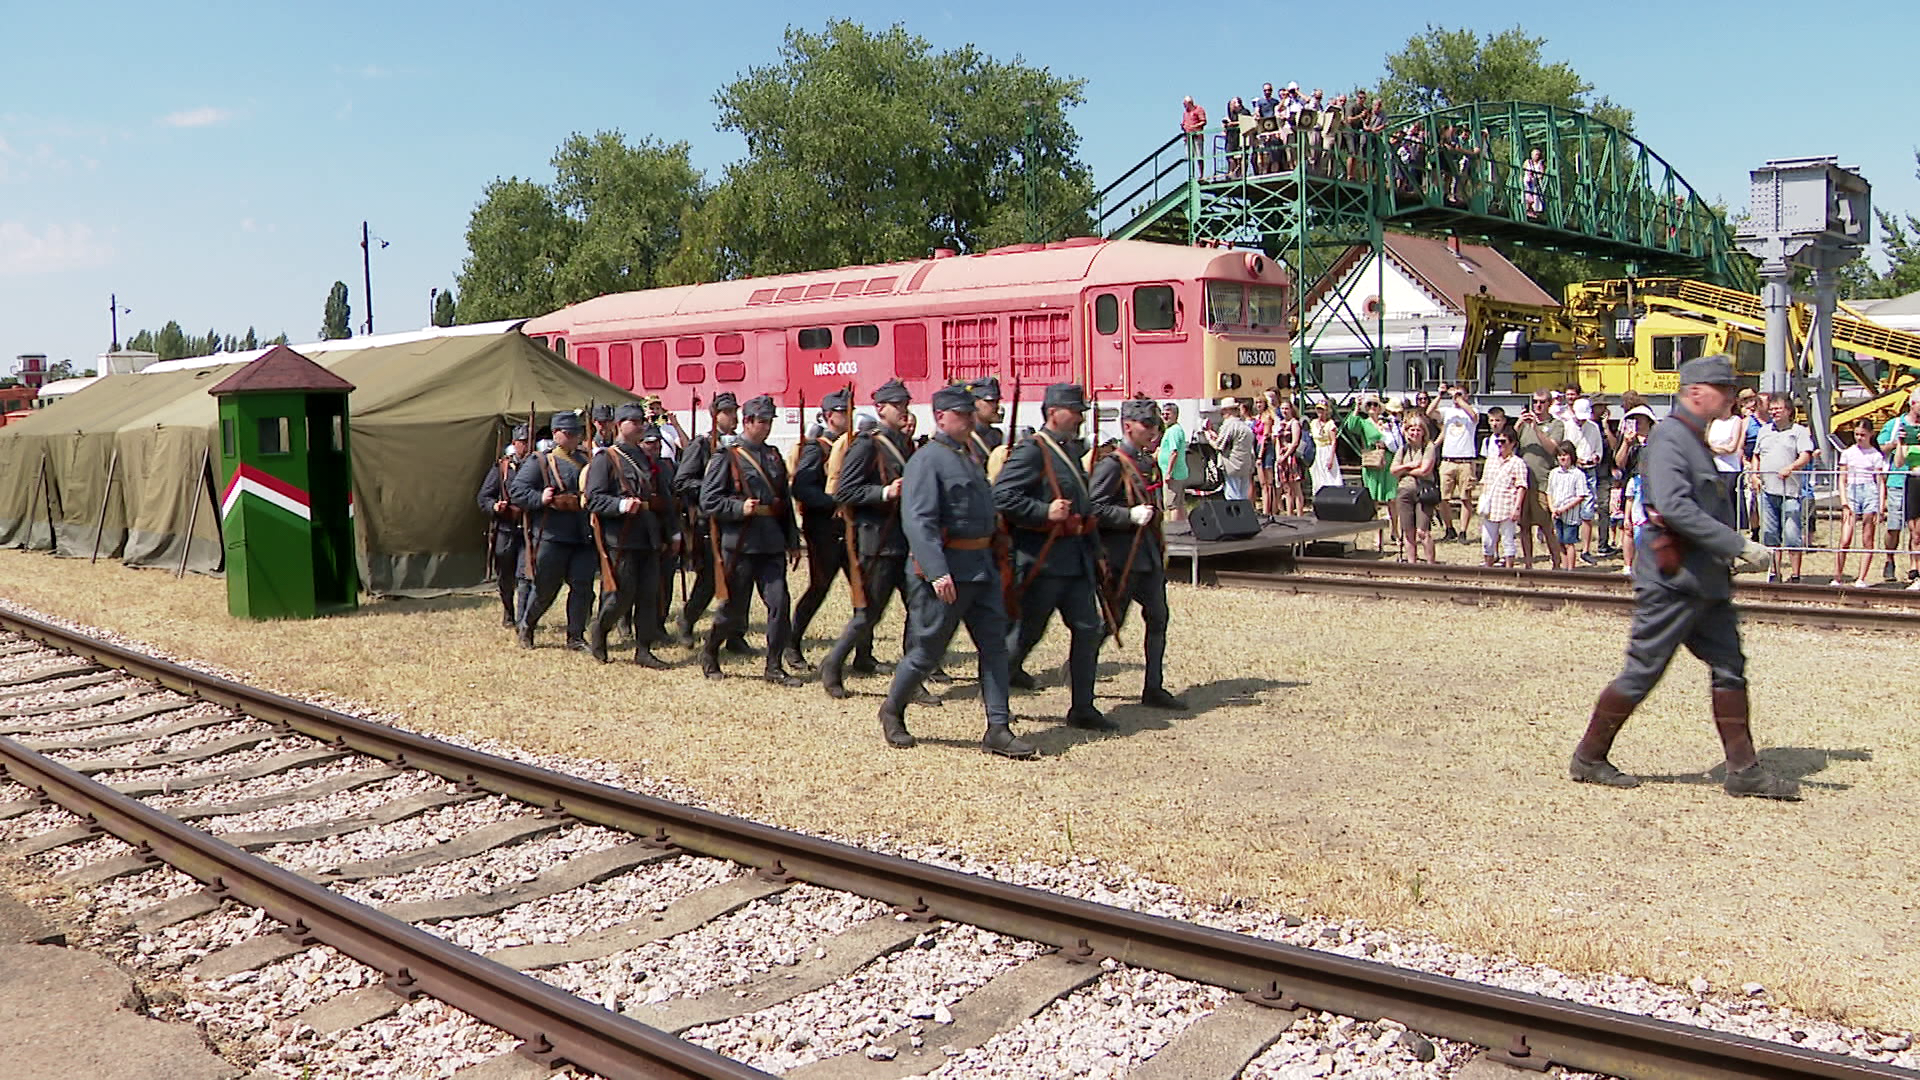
{"x": 212, "y": 162}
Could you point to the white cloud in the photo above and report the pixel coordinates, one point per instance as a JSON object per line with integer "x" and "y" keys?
{"x": 57, "y": 247}
{"x": 204, "y": 116}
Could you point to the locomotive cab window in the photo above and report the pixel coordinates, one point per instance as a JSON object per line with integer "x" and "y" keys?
{"x": 1153, "y": 307}
{"x": 862, "y": 336}
{"x": 1266, "y": 305}
{"x": 1106, "y": 314}
{"x": 1224, "y": 306}
{"x": 816, "y": 337}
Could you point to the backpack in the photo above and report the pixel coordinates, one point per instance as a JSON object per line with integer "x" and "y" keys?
{"x": 1305, "y": 452}
{"x": 836, "y": 458}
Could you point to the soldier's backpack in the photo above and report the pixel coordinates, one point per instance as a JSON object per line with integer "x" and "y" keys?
{"x": 836, "y": 458}
{"x": 997, "y": 460}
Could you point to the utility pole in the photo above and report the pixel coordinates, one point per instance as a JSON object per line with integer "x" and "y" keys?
{"x": 114, "y": 311}
{"x": 366, "y": 272}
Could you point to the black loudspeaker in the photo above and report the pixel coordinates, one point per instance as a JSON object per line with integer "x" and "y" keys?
{"x": 1224, "y": 519}
{"x": 1348, "y": 502}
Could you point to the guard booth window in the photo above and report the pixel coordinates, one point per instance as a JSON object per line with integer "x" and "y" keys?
{"x": 1153, "y": 307}
{"x": 226, "y": 439}
{"x": 274, "y": 435}
{"x": 1106, "y": 314}
{"x": 1670, "y": 351}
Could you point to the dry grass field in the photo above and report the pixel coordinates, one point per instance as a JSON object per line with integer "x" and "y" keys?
{"x": 1397, "y": 762}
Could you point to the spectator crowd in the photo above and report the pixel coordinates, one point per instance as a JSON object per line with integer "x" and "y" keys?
{"x": 1561, "y": 479}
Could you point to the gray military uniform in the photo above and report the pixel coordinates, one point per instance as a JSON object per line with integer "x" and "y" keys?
{"x": 1694, "y": 607}
{"x": 945, "y": 499}
{"x": 1136, "y": 554}
{"x": 563, "y": 541}
{"x": 1054, "y": 561}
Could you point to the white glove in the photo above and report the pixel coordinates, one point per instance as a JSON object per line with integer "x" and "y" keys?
{"x": 629, "y": 506}
{"x": 1753, "y": 558}
{"x": 1141, "y": 514}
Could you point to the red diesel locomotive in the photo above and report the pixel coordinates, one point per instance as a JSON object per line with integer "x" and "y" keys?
{"x": 1121, "y": 317}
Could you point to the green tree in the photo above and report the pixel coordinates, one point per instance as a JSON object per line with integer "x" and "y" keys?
{"x": 443, "y": 308}
{"x": 1442, "y": 68}
{"x": 281, "y": 340}
{"x": 248, "y": 342}
{"x": 337, "y": 323}
{"x": 867, "y": 147}
{"x": 516, "y": 241}
{"x": 60, "y": 369}
{"x": 171, "y": 342}
{"x": 626, "y": 204}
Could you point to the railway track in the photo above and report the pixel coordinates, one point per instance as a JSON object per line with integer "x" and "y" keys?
{"x": 72, "y": 723}
{"x": 1811, "y": 606}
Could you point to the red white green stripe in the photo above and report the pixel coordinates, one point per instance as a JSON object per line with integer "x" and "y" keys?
{"x": 272, "y": 489}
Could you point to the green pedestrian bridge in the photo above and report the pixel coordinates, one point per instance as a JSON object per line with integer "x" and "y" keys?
{"x": 1529, "y": 175}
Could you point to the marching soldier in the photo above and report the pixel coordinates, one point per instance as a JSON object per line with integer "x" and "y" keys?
{"x": 745, "y": 494}
{"x": 948, "y": 516}
{"x": 606, "y": 429}
{"x": 635, "y": 519}
{"x": 1043, "y": 494}
{"x": 688, "y": 476}
{"x": 547, "y": 487}
{"x": 820, "y": 524}
{"x": 986, "y": 418}
{"x": 1683, "y": 586}
{"x": 653, "y": 444}
{"x": 508, "y": 548}
{"x": 868, "y": 489}
{"x": 1125, "y": 488}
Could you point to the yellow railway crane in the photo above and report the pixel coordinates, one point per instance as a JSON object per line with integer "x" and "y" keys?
{"x": 1626, "y": 333}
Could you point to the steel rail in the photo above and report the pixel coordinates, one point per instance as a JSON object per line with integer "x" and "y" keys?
{"x": 1440, "y": 588}
{"x": 1521, "y": 1028}
{"x": 556, "y": 1026}
{"x": 1782, "y": 592}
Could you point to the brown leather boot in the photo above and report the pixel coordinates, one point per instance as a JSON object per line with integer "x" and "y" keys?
{"x": 1745, "y": 775}
{"x": 1590, "y": 764}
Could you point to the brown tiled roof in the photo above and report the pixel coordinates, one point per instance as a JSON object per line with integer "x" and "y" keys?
{"x": 280, "y": 370}
{"x": 1452, "y": 278}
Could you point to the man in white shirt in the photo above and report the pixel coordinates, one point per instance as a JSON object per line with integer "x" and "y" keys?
{"x": 1782, "y": 449}
{"x": 1457, "y": 419}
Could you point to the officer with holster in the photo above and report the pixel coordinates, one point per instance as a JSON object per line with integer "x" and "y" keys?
{"x": 947, "y": 509}
{"x": 1683, "y": 588}
{"x": 636, "y": 520}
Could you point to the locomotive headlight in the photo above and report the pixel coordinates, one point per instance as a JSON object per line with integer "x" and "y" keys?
{"x": 1229, "y": 380}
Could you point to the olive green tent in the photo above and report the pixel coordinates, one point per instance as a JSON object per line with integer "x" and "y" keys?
{"x": 427, "y": 416}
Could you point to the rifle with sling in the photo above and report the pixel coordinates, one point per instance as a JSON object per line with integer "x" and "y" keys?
{"x": 1131, "y": 478}
{"x": 723, "y": 569}
{"x": 1003, "y": 531}
{"x": 493, "y": 519}
{"x": 856, "y": 579}
{"x": 607, "y": 581}
{"x": 1075, "y": 525}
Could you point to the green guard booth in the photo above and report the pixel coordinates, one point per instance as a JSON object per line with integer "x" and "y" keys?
{"x": 286, "y": 501}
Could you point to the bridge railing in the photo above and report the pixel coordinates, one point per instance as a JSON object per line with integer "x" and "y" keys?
{"x": 1164, "y": 172}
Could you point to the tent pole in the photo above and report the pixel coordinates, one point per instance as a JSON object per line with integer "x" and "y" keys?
{"x": 193, "y": 515}
{"x": 40, "y": 491}
{"x": 100, "y": 525}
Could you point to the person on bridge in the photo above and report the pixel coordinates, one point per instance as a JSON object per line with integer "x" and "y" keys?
{"x": 1683, "y": 590}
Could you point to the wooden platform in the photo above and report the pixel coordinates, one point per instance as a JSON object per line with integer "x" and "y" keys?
{"x": 1282, "y": 532}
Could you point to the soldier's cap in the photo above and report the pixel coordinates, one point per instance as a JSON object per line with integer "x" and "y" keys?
{"x": 630, "y": 410}
{"x": 987, "y": 389}
{"x": 650, "y": 432}
{"x": 602, "y": 413}
{"x": 952, "y": 399}
{"x": 566, "y": 421}
{"x": 1146, "y": 412}
{"x": 867, "y": 422}
{"x": 892, "y": 392}
{"x": 815, "y": 431}
{"x": 836, "y": 401}
{"x": 520, "y": 431}
{"x": 724, "y": 400}
{"x": 1063, "y": 395}
{"x": 1715, "y": 370}
{"x": 758, "y": 408}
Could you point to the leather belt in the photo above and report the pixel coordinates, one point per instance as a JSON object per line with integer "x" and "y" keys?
{"x": 970, "y": 543}
{"x": 1078, "y": 525}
